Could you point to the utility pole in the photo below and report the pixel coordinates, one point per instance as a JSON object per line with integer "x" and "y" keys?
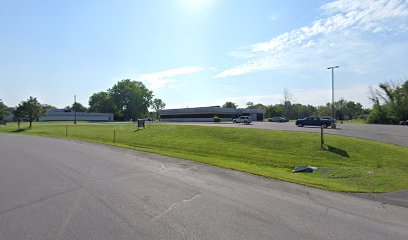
{"x": 333, "y": 124}
{"x": 74, "y": 107}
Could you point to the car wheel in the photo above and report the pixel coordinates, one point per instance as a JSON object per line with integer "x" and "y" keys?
{"x": 325, "y": 125}
{"x": 300, "y": 125}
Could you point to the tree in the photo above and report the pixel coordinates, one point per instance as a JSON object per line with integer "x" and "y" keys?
{"x": 259, "y": 106}
{"x": 67, "y": 109}
{"x": 287, "y": 96}
{"x": 302, "y": 111}
{"x": 390, "y": 103}
{"x": 77, "y": 107}
{"x": 343, "y": 108}
{"x": 30, "y": 110}
{"x": 48, "y": 107}
{"x": 287, "y": 104}
{"x": 102, "y": 102}
{"x": 158, "y": 105}
{"x": 273, "y": 110}
{"x": 3, "y": 109}
{"x": 353, "y": 109}
{"x": 230, "y": 105}
{"x": 18, "y": 116}
{"x": 396, "y": 98}
{"x": 132, "y": 98}
{"x": 251, "y": 105}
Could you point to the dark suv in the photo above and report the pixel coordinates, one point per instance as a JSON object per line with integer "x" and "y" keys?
{"x": 313, "y": 121}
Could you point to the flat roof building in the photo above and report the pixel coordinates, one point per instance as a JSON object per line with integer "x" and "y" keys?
{"x": 206, "y": 114}
{"x": 58, "y": 115}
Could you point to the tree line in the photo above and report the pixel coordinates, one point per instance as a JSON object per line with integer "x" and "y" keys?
{"x": 390, "y": 105}
{"x": 127, "y": 100}
{"x": 131, "y": 100}
{"x": 344, "y": 109}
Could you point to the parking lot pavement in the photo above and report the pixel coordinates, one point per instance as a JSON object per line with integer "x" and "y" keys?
{"x": 394, "y": 134}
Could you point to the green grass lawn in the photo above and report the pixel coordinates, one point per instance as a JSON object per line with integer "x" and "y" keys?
{"x": 349, "y": 164}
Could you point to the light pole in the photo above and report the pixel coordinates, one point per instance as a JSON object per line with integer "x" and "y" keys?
{"x": 333, "y": 124}
{"x": 74, "y": 107}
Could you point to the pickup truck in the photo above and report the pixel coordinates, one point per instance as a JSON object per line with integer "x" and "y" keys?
{"x": 313, "y": 121}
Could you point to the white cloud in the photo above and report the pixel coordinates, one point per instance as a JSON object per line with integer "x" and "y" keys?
{"x": 273, "y": 17}
{"x": 259, "y": 64}
{"x": 164, "y": 78}
{"x": 345, "y": 22}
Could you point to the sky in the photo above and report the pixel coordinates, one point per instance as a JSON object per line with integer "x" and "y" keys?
{"x": 195, "y": 53}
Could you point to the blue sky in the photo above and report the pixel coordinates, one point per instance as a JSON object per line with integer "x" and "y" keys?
{"x": 201, "y": 52}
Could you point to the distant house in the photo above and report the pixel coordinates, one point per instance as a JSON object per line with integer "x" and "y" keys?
{"x": 60, "y": 115}
{"x": 206, "y": 114}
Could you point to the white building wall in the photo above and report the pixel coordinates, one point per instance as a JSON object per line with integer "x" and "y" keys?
{"x": 193, "y": 119}
{"x": 80, "y": 116}
{"x": 214, "y": 111}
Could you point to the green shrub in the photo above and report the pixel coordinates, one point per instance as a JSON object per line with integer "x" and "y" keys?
{"x": 216, "y": 119}
{"x": 379, "y": 116}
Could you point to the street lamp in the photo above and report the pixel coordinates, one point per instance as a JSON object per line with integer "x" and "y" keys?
{"x": 333, "y": 124}
{"x": 74, "y": 107}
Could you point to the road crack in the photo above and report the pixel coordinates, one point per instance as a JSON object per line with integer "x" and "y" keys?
{"x": 173, "y": 206}
{"x": 38, "y": 201}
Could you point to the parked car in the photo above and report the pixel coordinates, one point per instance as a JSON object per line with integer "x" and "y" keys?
{"x": 404, "y": 122}
{"x": 242, "y": 119}
{"x": 278, "y": 119}
{"x": 329, "y": 118}
{"x": 313, "y": 121}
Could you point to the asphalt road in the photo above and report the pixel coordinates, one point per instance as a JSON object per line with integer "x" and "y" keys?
{"x": 60, "y": 189}
{"x": 393, "y": 134}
